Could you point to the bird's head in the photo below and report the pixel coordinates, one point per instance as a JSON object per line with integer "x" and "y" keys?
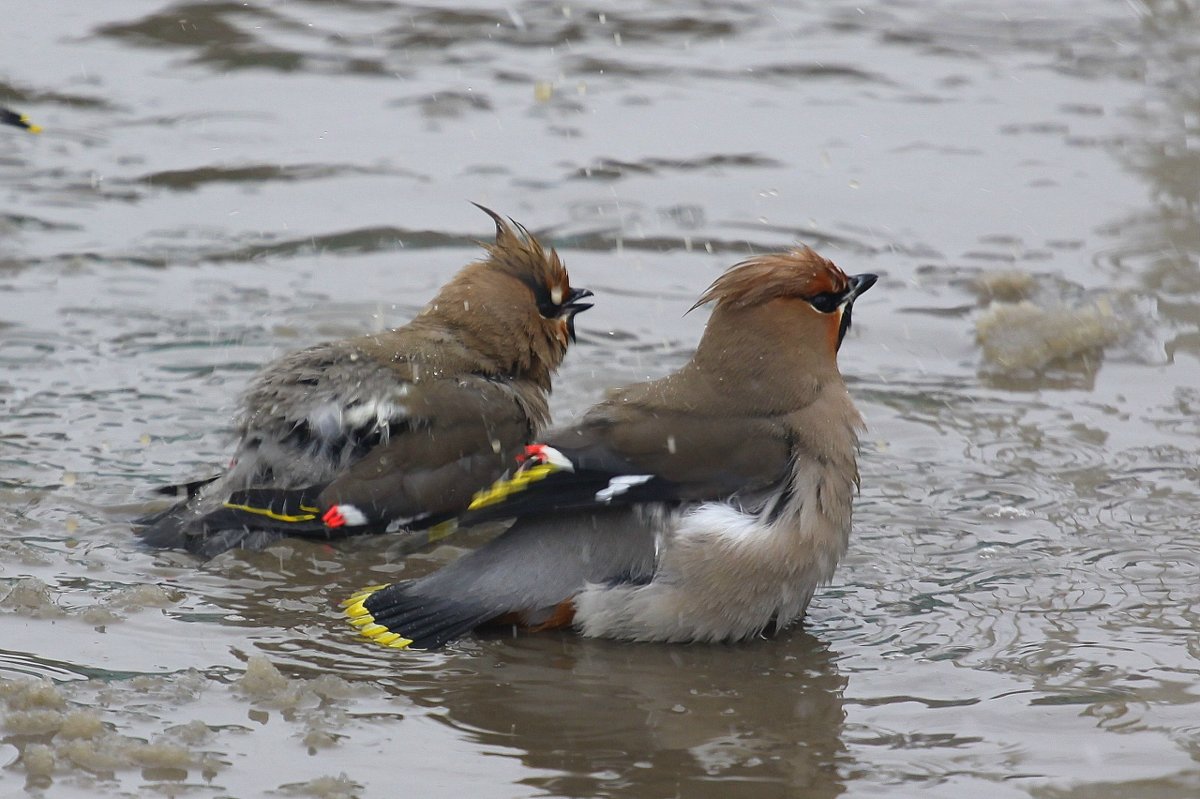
{"x": 795, "y": 299}
{"x": 516, "y": 305}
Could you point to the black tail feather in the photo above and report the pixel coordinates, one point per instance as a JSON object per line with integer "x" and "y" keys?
{"x": 426, "y": 622}
{"x": 179, "y": 528}
{"x": 252, "y": 519}
{"x": 166, "y": 529}
{"x": 185, "y": 490}
{"x": 421, "y": 623}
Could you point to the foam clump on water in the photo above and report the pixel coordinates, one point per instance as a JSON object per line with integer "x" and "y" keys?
{"x": 1006, "y": 285}
{"x": 99, "y": 616}
{"x": 31, "y": 597}
{"x": 29, "y": 694}
{"x": 161, "y": 754}
{"x": 39, "y": 761}
{"x": 81, "y": 724}
{"x": 318, "y": 737}
{"x": 136, "y": 597}
{"x": 96, "y": 749}
{"x": 79, "y": 738}
{"x": 193, "y": 733}
{"x": 263, "y": 682}
{"x": 113, "y": 752}
{"x": 329, "y": 686}
{"x": 339, "y": 787}
{"x": 1021, "y": 336}
{"x": 12, "y": 552}
{"x": 33, "y": 722}
{"x": 186, "y": 686}
{"x": 312, "y": 701}
{"x": 89, "y": 729}
{"x": 322, "y": 732}
{"x": 101, "y": 754}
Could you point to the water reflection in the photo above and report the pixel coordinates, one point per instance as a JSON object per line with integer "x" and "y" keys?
{"x": 586, "y": 718}
{"x": 644, "y": 720}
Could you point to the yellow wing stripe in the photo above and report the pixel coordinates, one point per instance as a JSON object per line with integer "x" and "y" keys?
{"x": 270, "y": 514}
{"x": 440, "y": 531}
{"x": 503, "y": 489}
{"x": 361, "y": 618}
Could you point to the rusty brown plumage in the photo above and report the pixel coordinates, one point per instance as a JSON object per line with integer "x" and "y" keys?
{"x": 798, "y": 273}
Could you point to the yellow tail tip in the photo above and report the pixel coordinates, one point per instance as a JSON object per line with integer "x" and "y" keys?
{"x": 357, "y": 611}
{"x": 394, "y": 640}
{"x": 358, "y": 597}
{"x": 358, "y": 615}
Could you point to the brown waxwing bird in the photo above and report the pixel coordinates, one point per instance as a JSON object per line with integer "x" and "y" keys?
{"x": 393, "y": 430}
{"x": 704, "y": 506}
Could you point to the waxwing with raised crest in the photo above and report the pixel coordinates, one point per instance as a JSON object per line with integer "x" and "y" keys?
{"x": 704, "y": 506}
{"x": 396, "y": 429}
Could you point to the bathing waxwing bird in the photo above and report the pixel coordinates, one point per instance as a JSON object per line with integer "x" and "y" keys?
{"x": 395, "y": 429}
{"x": 704, "y": 506}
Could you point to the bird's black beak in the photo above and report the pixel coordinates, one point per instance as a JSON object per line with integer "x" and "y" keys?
{"x": 573, "y": 306}
{"x": 860, "y": 283}
{"x": 573, "y": 300}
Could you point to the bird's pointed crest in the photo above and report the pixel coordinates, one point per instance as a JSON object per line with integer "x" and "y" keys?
{"x": 518, "y": 252}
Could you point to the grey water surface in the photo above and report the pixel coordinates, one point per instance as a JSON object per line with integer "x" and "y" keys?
{"x": 219, "y": 183}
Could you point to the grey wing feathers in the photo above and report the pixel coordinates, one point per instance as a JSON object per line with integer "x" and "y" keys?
{"x": 315, "y": 412}
{"x": 532, "y": 567}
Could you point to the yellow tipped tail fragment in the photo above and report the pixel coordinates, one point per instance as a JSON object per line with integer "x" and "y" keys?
{"x": 18, "y": 120}
{"x": 361, "y": 618}
{"x": 358, "y": 597}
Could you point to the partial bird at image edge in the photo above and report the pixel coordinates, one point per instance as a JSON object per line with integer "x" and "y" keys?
{"x": 18, "y": 120}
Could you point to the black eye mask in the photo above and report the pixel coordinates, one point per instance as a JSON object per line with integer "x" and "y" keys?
{"x": 829, "y": 301}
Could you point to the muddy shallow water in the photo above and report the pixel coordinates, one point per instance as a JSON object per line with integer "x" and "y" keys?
{"x": 218, "y": 183}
